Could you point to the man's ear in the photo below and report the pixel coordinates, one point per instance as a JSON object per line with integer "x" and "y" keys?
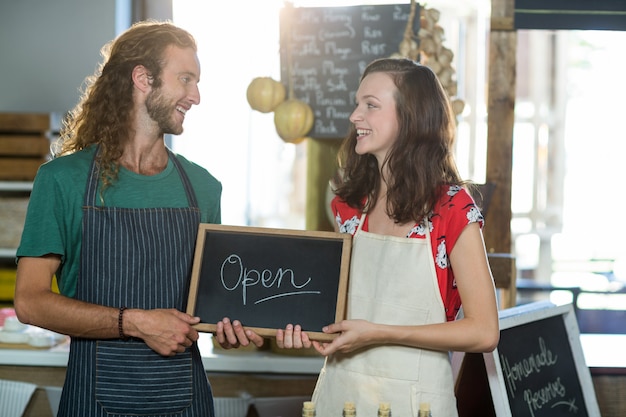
{"x": 142, "y": 79}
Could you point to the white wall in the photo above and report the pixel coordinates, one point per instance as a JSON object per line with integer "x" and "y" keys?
{"x": 47, "y": 48}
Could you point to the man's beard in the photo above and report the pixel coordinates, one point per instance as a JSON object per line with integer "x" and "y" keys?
{"x": 160, "y": 110}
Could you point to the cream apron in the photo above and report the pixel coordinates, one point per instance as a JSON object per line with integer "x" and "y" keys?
{"x": 392, "y": 281}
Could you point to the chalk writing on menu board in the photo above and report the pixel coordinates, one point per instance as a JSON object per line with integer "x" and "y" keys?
{"x": 324, "y": 50}
{"x": 539, "y": 370}
{"x": 268, "y": 278}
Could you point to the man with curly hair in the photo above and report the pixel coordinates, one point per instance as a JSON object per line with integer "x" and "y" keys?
{"x": 115, "y": 216}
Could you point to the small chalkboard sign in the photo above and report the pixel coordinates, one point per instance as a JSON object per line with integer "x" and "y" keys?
{"x": 538, "y": 368}
{"x": 324, "y": 51}
{"x": 267, "y": 278}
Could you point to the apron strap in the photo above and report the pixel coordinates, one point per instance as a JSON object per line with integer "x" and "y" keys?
{"x": 92, "y": 180}
{"x": 191, "y": 195}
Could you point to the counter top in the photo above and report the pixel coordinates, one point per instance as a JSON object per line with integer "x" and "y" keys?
{"x": 259, "y": 361}
{"x": 602, "y": 351}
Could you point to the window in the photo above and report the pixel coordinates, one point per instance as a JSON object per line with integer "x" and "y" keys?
{"x": 568, "y": 151}
{"x": 263, "y": 177}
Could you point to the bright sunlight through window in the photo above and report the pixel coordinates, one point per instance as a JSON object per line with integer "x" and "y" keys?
{"x": 263, "y": 177}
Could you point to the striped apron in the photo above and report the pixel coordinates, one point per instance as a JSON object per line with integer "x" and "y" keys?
{"x": 137, "y": 258}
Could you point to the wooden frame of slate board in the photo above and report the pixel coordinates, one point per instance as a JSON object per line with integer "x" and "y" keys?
{"x": 267, "y": 278}
{"x": 537, "y": 370}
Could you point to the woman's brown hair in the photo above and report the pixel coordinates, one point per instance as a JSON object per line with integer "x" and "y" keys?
{"x": 421, "y": 159}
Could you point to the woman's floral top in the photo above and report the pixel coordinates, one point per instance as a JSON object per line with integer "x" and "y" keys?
{"x": 455, "y": 210}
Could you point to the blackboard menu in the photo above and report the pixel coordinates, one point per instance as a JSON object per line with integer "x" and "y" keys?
{"x": 539, "y": 370}
{"x": 324, "y": 50}
{"x": 268, "y": 278}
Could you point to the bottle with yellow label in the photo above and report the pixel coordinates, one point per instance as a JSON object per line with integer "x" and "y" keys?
{"x": 349, "y": 409}
{"x": 308, "y": 409}
{"x": 384, "y": 410}
{"x": 424, "y": 410}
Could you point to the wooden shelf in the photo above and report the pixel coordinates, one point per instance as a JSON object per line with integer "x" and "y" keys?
{"x": 7, "y": 253}
{"x": 16, "y": 186}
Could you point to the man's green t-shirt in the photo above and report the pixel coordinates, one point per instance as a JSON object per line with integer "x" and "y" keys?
{"x": 54, "y": 217}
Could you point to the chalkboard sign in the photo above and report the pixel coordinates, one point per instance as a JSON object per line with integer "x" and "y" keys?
{"x": 538, "y": 368}
{"x": 324, "y": 51}
{"x": 267, "y": 278}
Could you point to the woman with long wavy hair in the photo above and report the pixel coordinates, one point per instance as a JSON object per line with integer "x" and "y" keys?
{"x": 417, "y": 253}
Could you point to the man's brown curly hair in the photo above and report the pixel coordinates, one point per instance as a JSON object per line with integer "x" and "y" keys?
{"x": 103, "y": 114}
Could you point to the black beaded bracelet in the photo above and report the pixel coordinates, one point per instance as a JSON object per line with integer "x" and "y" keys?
{"x": 120, "y": 328}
